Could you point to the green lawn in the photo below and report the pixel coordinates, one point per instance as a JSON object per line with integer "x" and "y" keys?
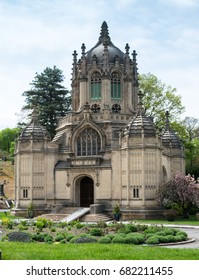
{"x": 96, "y": 251}
{"x": 34, "y": 251}
{"x": 192, "y": 221}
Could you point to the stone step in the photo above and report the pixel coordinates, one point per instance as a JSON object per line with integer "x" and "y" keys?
{"x": 67, "y": 210}
{"x": 95, "y": 218}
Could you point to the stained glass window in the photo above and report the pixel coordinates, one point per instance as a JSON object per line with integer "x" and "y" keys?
{"x": 88, "y": 143}
{"x": 115, "y": 85}
{"x": 96, "y": 86}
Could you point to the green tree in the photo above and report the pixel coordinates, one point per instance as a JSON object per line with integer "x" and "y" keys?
{"x": 188, "y": 130}
{"x": 180, "y": 190}
{"x": 159, "y": 98}
{"x": 7, "y": 138}
{"x": 49, "y": 97}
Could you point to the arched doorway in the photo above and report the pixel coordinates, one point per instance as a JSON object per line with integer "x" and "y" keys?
{"x": 86, "y": 192}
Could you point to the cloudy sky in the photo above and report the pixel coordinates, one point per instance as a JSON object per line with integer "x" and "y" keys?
{"x": 42, "y": 33}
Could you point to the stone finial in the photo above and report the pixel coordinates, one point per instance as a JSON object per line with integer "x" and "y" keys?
{"x": 127, "y": 49}
{"x": 83, "y": 47}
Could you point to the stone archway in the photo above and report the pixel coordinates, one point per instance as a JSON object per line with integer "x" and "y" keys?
{"x": 86, "y": 192}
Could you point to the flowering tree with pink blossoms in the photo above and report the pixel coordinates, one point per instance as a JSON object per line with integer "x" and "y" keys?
{"x": 180, "y": 190}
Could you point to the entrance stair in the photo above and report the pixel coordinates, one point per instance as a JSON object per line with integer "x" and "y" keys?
{"x": 95, "y": 218}
{"x": 76, "y": 215}
{"x": 68, "y": 214}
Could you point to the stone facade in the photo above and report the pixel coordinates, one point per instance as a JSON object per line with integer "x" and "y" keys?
{"x": 105, "y": 151}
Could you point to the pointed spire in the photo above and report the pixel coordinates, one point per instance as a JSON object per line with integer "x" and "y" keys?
{"x": 104, "y": 35}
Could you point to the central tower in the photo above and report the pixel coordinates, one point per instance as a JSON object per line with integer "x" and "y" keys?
{"x": 105, "y": 77}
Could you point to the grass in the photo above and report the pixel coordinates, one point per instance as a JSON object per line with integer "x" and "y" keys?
{"x": 96, "y": 251}
{"x": 33, "y": 251}
{"x": 192, "y": 221}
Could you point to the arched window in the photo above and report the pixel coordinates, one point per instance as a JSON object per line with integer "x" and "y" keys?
{"x": 135, "y": 192}
{"x": 95, "y": 86}
{"x": 115, "y": 85}
{"x": 88, "y": 143}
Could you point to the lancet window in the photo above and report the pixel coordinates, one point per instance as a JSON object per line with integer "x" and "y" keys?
{"x": 115, "y": 85}
{"x": 96, "y": 86}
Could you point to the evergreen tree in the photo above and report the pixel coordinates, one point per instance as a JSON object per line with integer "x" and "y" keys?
{"x": 49, "y": 97}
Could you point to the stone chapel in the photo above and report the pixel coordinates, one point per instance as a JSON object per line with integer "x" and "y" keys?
{"x": 106, "y": 151}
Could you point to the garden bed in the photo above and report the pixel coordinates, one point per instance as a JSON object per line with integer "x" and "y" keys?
{"x": 46, "y": 231}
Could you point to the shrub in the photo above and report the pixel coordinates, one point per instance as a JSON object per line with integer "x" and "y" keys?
{"x": 124, "y": 230}
{"x": 59, "y": 237}
{"x": 48, "y": 239}
{"x": 180, "y": 237}
{"x": 42, "y": 222}
{"x": 8, "y": 223}
{"x": 152, "y": 240}
{"x": 110, "y": 235}
{"x": 21, "y": 227}
{"x": 171, "y": 238}
{"x": 139, "y": 236}
{"x": 152, "y": 229}
{"x": 119, "y": 239}
{"x": 170, "y": 231}
{"x": 69, "y": 237}
{"x": 130, "y": 239}
{"x": 73, "y": 239}
{"x": 132, "y": 228}
{"x": 79, "y": 225}
{"x": 104, "y": 240}
{"x": 181, "y": 233}
{"x": 163, "y": 238}
{"x": 96, "y": 232}
{"x": 39, "y": 237}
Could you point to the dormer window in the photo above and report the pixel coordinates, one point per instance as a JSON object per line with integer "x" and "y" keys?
{"x": 115, "y": 85}
{"x": 96, "y": 86}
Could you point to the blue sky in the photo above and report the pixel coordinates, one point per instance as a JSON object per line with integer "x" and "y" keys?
{"x": 42, "y": 33}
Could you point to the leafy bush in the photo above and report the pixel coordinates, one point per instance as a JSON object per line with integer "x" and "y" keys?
{"x": 132, "y": 228}
{"x": 152, "y": 240}
{"x": 48, "y": 239}
{"x": 171, "y": 238}
{"x": 21, "y": 227}
{"x": 39, "y": 237}
{"x": 163, "y": 238}
{"x": 79, "y": 225}
{"x": 59, "y": 237}
{"x": 181, "y": 233}
{"x": 180, "y": 237}
{"x": 152, "y": 229}
{"x": 69, "y": 236}
{"x": 104, "y": 240}
{"x": 8, "y": 223}
{"x": 170, "y": 231}
{"x": 130, "y": 239}
{"x": 96, "y": 232}
{"x": 110, "y": 235}
{"x": 119, "y": 239}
